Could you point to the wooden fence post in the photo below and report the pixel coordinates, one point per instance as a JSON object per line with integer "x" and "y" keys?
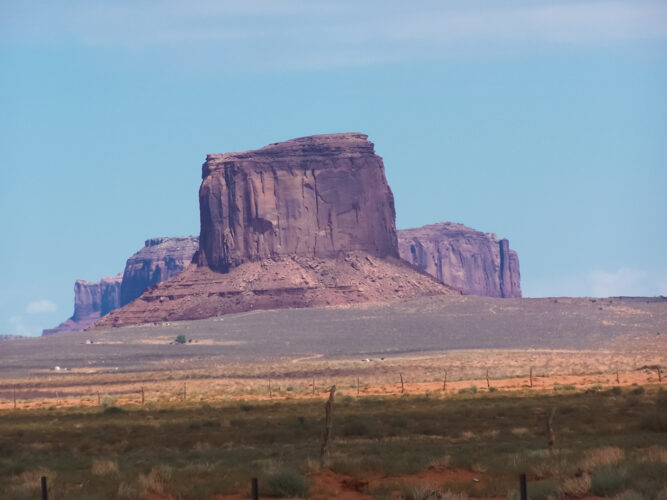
{"x": 531, "y": 377}
{"x": 14, "y": 396}
{"x": 444, "y": 383}
{"x": 357, "y": 385}
{"x": 488, "y": 384}
{"x": 618, "y": 379}
{"x": 142, "y": 395}
{"x": 98, "y": 399}
{"x": 255, "y": 489}
{"x": 402, "y": 387}
{"x": 185, "y": 391}
{"x": 45, "y": 493}
{"x": 270, "y": 393}
{"x": 551, "y": 438}
{"x": 659, "y": 375}
{"x": 522, "y": 486}
{"x": 313, "y": 386}
{"x": 324, "y": 451}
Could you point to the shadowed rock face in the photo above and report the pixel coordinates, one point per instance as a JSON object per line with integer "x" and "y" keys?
{"x": 159, "y": 260}
{"x": 92, "y": 300}
{"x": 476, "y": 263}
{"x": 314, "y": 196}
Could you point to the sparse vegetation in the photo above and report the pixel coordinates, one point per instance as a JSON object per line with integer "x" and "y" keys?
{"x": 196, "y": 450}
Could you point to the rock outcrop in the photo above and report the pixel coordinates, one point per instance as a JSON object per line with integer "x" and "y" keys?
{"x": 314, "y": 196}
{"x": 92, "y": 300}
{"x": 159, "y": 260}
{"x": 301, "y": 223}
{"x": 476, "y": 263}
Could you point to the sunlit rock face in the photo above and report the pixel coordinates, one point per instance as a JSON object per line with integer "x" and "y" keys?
{"x": 314, "y": 196}
{"x": 476, "y": 263}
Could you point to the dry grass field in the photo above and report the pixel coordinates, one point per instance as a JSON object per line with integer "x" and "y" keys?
{"x": 132, "y": 414}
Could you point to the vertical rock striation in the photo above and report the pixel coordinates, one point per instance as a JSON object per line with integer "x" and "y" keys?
{"x": 476, "y": 263}
{"x": 159, "y": 260}
{"x": 314, "y": 196}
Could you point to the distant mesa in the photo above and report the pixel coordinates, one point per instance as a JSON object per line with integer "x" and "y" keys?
{"x": 305, "y": 222}
{"x": 159, "y": 260}
{"x": 476, "y": 263}
{"x": 92, "y": 300}
{"x": 301, "y": 223}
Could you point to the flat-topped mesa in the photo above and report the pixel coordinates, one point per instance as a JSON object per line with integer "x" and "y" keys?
{"x": 314, "y": 196}
{"x": 92, "y": 300}
{"x": 476, "y": 263}
{"x": 159, "y": 260}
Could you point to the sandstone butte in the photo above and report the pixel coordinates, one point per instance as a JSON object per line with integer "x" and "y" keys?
{"x": 474, "y": 262}
{"x": 158, "y": 260}
{"x": 92, "y": 300}
{"x": 305, "y": 222}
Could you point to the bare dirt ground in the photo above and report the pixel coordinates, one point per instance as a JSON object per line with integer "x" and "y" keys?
{"x": 284, "y": 353}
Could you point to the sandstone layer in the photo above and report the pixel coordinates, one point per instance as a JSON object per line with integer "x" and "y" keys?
{"x": 283, "y": 282}
{"x": 159, "y": 260}
{"x": 313, "y": 196}
{"x": 92, "y": 300}
{"x": 476, "y": 263}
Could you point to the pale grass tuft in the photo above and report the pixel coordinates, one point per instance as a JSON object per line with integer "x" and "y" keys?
{"x": 127, "y": 492}
{"x": 576, "y": 486}
{"x": 156, "y": 480}
{"x": 466, "y": 435}
{"x": 521, "y": 431}
{"x": 653, "y": 454}
{"x": 599, "y": 457}
{"x": 202, "y": 446}
{"x": 103, "y": 467}
{"x": 442, "y": 461}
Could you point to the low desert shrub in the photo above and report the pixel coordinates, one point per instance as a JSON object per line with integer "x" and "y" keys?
{"x": 469, "y": 390}
{"x": 656, "y": 422}
{"x": 607, "y": 481}
{"x": 599, "y": 457}
{"x": 563, "y": 387}
{"x": 286, "y": 483}
{"x": 113, "y": 410}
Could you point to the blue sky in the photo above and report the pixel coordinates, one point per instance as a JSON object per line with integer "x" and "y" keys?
{"x": 542, "y": 121}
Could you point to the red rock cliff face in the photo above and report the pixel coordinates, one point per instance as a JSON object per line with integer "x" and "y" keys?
{"x": 159, "y": 260}
{"x": 476, "y": 263}
{"x": 303, "y": 223}
{"x": 92, "y": 300}
{"x": 314, "y": 196}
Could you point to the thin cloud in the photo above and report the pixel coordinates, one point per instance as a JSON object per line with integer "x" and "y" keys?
{"x": 288, "y": 34}
{"x": 41, "y": 307}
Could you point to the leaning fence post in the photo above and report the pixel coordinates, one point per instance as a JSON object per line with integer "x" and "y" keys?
{"x": 357, "y": 385}
{"x": 255, "y": 489}
{"x": 659, "y": 375}
{"x": 324, "y": 451}
{"x": 488, "y": 384}
{"x": 402, "y": 387}
{"x": 444, "y": 383}
{"x": 524, "y": 490}
{"x": 45, "y": 494}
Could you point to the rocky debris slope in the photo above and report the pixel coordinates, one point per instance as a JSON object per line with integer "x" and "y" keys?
{"x": 305, "y": 222}
{"x": 283, "y": 282}
{"x": 476, "y": 263}
{"x": 92, "y": 300}
{"x": 159, "y": 260}
{"x": 313, "y": 196}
